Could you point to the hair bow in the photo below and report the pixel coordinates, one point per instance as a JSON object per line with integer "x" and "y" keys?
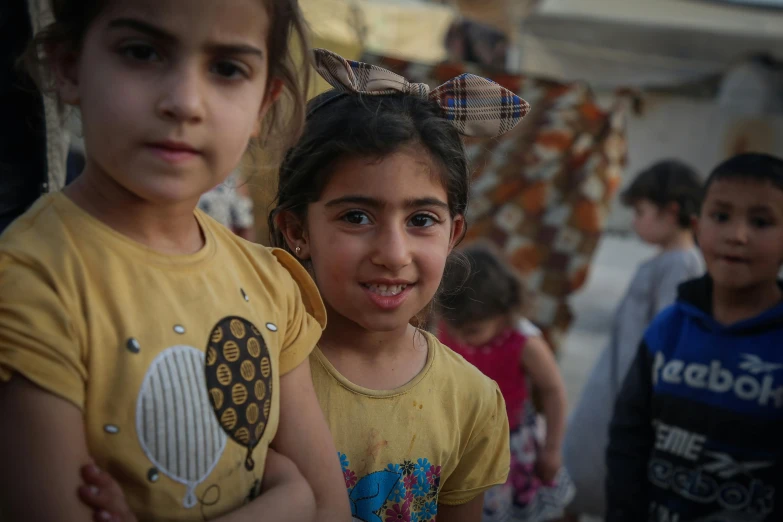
{"x": 476, "y": 106}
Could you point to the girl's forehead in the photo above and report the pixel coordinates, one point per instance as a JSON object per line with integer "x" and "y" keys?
{"x": 400, "y": 176}
{"x": 194, "y": 21}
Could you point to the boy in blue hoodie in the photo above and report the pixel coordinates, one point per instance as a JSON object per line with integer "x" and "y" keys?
{"x": 697, "y": 433}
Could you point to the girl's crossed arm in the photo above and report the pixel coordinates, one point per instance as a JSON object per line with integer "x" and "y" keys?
{"x": 303, "y": 441}
{"x": 45, "y": 446}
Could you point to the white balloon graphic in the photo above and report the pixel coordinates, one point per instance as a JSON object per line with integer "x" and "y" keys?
{"x": 175, "y": 421}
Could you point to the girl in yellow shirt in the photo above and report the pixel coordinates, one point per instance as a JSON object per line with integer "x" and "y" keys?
{"x": 137, "y": 332}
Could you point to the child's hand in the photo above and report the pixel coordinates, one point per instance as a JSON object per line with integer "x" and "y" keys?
{"x": 547, "y": 465}
{"x": 104, "y": 496}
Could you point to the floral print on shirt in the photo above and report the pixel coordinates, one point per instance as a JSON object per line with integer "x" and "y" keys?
{"x": 402, "y": 492}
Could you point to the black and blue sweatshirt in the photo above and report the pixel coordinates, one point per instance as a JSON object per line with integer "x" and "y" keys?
{"x": 697, "y": 433}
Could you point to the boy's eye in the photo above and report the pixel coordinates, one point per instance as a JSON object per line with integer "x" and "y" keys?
{"x": 140, "y": 52}
{"x": 228, "y": 70}
{"x": 760, "y": 222}
{"x": 356, "y": 217}
{"x": 422, "y": 221}
{"x": 720, "y": 217}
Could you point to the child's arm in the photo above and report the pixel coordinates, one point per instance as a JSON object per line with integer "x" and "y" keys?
{"x": 539, "y": 363}
{"x": 631, "y": 439}
{"x": 304, "y": 437}
{"x": 43, "y": 448}
{"x": 467, "y": 512}
{"x": 282, "y": 482}
{"x": 285, "y": 496}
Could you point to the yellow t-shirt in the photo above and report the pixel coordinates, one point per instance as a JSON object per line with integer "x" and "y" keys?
{"x": 441, "y": 438}
{"x": 174, "y": 360}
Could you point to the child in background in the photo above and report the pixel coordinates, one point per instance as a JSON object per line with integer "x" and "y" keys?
{"x": 372, "y": 201}
{"x": 480, "y": 311}
{"x": 697, "y": 429}
{"x": 134, "y": 329}
{"x": 665, "y": 197}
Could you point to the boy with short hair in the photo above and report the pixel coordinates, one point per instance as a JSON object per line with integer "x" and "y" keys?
{"x": 697, "y": 433}
{"x": 665, "y": 196}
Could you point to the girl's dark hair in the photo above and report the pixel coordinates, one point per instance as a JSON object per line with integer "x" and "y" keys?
{"x": 484, "y": 288}
{"x": 341, "y": 126}
{"x": 73, "y": 18}
{"x": 664, "y": 183}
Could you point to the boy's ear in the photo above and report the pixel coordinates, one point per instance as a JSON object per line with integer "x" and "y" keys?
{"x": 295, "y": 234}
{"x": 695, "y": 226}
{"x": 673, "y": 208}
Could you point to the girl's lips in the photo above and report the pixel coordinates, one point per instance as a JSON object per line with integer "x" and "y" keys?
{"x": 387, "y": 302}
{"x": 173, "y": 153}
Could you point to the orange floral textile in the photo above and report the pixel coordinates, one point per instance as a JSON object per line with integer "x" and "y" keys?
{"x": 542, "y": 192}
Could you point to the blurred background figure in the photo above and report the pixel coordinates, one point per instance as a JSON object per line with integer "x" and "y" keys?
{"x": 230, "y": 205}
{"x": 665, "y": 198}
{"x": 481, "y": 318}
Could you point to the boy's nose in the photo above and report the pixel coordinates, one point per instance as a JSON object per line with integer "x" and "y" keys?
{"x": 739, "y": 233}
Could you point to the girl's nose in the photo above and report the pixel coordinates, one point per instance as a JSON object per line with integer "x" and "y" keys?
{"x": 182, "y": 98}
{"x": 392, "y": 249}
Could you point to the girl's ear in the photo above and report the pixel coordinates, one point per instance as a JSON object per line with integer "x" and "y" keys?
{"x": 695, "y": 227}
{"x": 273, "y": 92}
{"x": 295, "y": 233}
{"x": 66, "y": 73}
{"x": 458, "y": 229}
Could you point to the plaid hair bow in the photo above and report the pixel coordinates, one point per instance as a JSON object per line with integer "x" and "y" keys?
{"x": 476, "y": 106}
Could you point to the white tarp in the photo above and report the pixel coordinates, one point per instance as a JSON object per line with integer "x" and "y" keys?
{"x": 642, "y": 43}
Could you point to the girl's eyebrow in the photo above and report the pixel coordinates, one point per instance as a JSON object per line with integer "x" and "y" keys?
{"x": 161, "y": 34}
{"x": 143, "y": 27}
{"x": 377, "y": 203}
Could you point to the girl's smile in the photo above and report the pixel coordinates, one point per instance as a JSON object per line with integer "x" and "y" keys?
{"x": 388, "y": 295}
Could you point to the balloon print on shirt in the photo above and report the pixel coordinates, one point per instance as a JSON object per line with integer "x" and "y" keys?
{"x": 239, "y": 379}
{"x": 174, "y": 421}
{"x": 191, "y": 402}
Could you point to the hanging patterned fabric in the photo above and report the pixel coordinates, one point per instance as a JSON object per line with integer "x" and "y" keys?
{"x": 543, "y": 191}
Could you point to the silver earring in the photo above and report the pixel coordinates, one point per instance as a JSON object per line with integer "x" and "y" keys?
{"x": 298, "y": 249}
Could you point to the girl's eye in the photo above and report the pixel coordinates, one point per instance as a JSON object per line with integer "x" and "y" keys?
{"x": 140, "y": 52}
{"x": 228, "y": 70}
{"x": 720, "y": 217}
{"x": 356, "y": 217}
{"x": 422, "y": 221}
